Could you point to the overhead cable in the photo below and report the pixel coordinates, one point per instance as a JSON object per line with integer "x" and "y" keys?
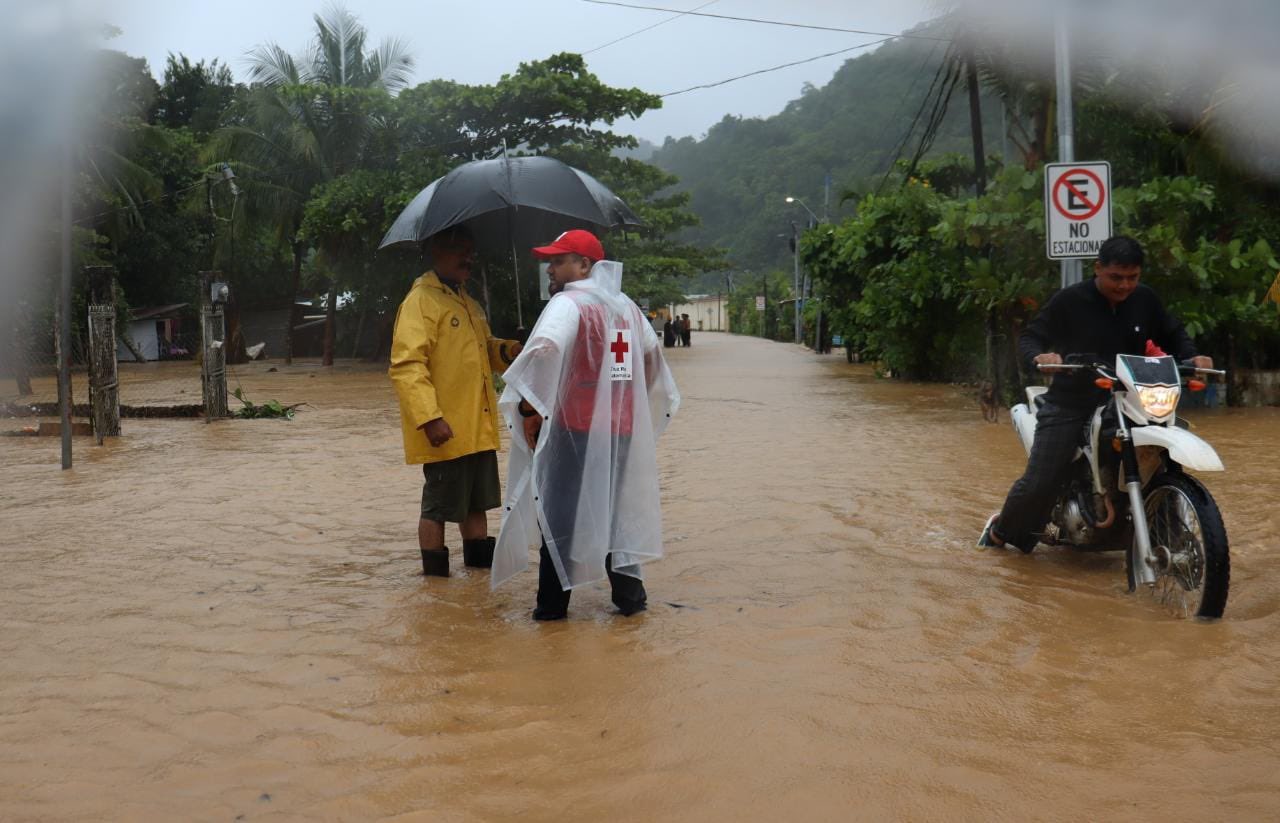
{"x": 779, "y": 67}
{"x": 648, "y": 28}
{"x": 695, "y": 13}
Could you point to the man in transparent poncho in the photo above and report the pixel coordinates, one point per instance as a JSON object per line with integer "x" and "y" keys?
{"x": 585, "y": 404}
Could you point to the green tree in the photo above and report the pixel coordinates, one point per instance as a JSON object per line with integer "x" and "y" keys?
{"x": 308, "y": 120}
{"x": 193, "y": 96}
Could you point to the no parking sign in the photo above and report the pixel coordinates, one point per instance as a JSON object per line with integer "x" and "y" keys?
{"x": 1077, "y": 209}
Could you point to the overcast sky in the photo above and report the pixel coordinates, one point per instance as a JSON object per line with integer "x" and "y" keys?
{"x": 477, "y": 42}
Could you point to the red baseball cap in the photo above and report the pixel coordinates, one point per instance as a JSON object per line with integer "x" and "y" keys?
{"x": 576, "y": 241}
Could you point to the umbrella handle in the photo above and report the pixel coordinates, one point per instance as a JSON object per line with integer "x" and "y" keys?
{"x": 515, "y": 268}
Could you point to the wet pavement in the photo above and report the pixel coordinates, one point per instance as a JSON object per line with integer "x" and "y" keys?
{"x": 227, "y": 621}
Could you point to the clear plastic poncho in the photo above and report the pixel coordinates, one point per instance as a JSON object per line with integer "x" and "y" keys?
{"x": 593, "y": 369}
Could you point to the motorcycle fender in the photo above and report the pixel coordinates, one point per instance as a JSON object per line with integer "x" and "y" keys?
{"x": 1182, "y": 445}
{"x": 1024, "y": 422}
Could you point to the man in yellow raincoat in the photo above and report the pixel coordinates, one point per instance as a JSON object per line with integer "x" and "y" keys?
{"x": 442, "y": 362}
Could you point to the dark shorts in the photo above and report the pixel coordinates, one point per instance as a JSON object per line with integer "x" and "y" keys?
{"x": 452, "y": 489}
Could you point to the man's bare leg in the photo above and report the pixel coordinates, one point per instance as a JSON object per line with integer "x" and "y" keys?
{"x": 430, "y": 534}
{"x": 474, "y": 527}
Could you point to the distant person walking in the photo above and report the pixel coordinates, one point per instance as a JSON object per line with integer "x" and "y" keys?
{"x": 668, "y": 334}
{"x": 586, "y": 403}
{"x": 686, "y": 331}
{"x": 442, "y": 362}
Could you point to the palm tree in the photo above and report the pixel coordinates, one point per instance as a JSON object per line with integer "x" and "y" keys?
{"x": 309, "y": 119}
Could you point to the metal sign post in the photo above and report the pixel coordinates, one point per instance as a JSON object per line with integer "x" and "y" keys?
{"x": 1066, "y": 124}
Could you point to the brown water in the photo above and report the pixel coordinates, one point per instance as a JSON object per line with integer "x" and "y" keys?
{"x": 227, "y": 622}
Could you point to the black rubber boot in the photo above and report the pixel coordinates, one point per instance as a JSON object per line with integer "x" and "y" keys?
{"x": 435, "y": 562}
{"x": 478, "y": 553}
{"x": 553, "y": 601}
{"x": 628, "y": 592}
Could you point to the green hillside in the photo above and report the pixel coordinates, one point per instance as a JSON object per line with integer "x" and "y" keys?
{"x": 741, "y": 171}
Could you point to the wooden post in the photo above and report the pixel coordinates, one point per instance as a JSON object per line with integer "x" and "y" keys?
{"x": 18, "y": 350}
{"x": 104, "y": 384}
{"x": 330, "y": 323}
{"x": 213, "y": 357}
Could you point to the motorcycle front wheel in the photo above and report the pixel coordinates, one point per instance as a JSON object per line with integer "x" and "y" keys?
{"x": 1189, "y": 543}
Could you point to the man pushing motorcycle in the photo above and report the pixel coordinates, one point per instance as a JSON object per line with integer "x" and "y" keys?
{"x": 1109, "y": 315}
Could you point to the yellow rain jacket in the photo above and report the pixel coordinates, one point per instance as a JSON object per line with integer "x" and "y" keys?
{"x": 442, "y": 363}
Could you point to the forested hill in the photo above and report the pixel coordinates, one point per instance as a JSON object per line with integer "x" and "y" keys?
{"x": 741, "y": 171}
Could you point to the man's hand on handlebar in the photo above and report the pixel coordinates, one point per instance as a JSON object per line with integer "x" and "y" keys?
{"x": 1048, "y": 359}
{"x": 1202, "y": 362}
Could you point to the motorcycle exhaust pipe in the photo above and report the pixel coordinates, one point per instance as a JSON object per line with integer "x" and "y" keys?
{"x": 1111, "y": 513}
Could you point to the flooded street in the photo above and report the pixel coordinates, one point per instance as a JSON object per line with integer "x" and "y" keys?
{"x": 228, "y": 622}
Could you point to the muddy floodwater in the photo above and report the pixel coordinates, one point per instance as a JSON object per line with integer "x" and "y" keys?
{"x": 228, "y": 622}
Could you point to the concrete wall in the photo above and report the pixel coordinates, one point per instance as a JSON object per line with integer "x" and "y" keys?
{"x": 1258, "y": 388}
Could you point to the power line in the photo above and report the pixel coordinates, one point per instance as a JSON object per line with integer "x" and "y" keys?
{"x": 943, "y": 68}
{"x": 695, "y": 13}
{"x": 648, "y": 28}
{"x": 776, "y": 68}
{"x": 902, "y": 101}
{"x": 137, "y": 206}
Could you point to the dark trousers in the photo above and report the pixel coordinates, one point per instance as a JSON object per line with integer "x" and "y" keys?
{"x": 566, "y": 455}
{"x": 628, "y": 592}
{"x": 1059, "y": 432}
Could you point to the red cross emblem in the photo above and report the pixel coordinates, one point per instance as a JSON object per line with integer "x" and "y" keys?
{"x": 619, "y": 349}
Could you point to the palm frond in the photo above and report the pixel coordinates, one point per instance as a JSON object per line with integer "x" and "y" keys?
{"x": 340, "y": 46}
{"x": 390, "y": 67}
{"x": 272, "y": 66}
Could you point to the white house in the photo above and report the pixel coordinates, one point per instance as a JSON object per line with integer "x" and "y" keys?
{"x": 157, "y": 333}
{"x": 707, "y": 312}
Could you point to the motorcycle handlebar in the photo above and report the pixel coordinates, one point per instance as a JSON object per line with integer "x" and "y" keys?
{"x": 1183, "y": 367}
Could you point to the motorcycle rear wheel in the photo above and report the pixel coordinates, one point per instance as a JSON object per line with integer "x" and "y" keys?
{"x": 1190, "y": 545}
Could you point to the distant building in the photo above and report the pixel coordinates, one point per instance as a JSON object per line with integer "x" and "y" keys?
{"x": 707, "y": 312}
{"x": 161, "y": 333}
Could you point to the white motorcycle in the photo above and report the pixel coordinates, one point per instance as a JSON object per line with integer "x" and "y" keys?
{"x": 1127, "y": 487}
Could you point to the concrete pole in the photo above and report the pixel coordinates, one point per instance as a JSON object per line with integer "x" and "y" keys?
{"x": 213, "y": 357}
{"x": 1071, "y": 269}
{"x": 104, "y": 385}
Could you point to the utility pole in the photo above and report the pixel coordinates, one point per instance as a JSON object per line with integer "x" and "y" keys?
{"x": 1071, "y": 269}
{"x": 975, "y": 125}
{"x": 795, "y": 254}
{"x": 63, "y": 340}
{"x": 979, "y": 189}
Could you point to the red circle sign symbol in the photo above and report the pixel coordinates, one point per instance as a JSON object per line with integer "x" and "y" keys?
{"x": 1093, "y": 207}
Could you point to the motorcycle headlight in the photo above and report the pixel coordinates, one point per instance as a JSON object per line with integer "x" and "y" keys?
{"x": 1158, "y": 401}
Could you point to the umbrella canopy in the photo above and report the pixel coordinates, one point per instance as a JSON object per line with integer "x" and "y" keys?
{"x": 517, "y": 199}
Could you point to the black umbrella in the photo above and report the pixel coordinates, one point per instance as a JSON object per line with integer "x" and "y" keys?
{"x": 517, "y": 199}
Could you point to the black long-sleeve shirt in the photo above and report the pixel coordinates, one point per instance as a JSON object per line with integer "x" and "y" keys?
{"x": 1079, "y": 320}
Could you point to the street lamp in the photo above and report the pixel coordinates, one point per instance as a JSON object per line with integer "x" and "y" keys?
{"x": 796, "y": 253}
{"x": 805, "y": 207}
